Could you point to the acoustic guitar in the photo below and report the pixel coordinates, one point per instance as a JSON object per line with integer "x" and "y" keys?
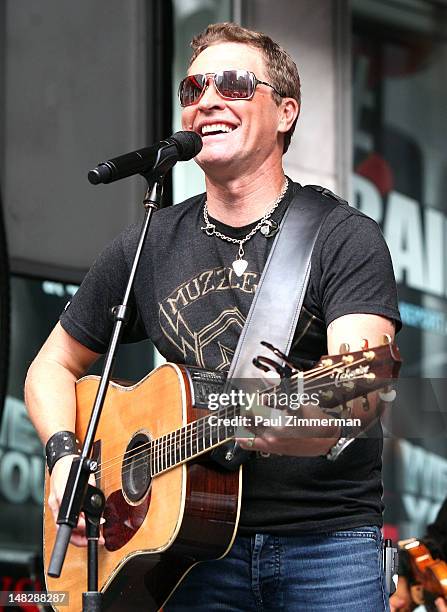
{"x": 168, "y": 505}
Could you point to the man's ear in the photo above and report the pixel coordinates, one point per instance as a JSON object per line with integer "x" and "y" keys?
{"x": 289, "y": 111}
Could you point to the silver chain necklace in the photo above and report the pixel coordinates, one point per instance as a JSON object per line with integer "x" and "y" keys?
{"x": 240, "y": 264}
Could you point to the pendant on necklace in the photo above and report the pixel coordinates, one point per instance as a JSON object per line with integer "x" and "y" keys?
{"x": 239, "y": 266}
{"x": 269, "y": 228}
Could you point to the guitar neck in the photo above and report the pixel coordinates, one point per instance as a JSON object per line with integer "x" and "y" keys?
{"x": 334, "y": 380}
{"x": 193, "y": 439}
{"x": 215, "y": 428}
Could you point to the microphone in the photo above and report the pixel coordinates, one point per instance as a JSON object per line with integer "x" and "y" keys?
{"x": 157, "y": 159}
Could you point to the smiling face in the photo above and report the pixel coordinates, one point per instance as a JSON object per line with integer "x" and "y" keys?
{"x": 238, "y": 135}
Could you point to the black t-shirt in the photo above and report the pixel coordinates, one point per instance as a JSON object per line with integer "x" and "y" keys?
{"x": 190, "y": 303}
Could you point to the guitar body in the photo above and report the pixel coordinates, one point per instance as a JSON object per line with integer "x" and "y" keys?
{"x": 168, "y": 506}
{"x": 156, "y": 528}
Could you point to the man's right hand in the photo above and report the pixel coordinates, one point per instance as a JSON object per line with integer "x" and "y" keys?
{"x": 58, "y": 481}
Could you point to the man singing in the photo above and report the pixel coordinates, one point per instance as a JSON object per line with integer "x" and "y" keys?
{"x": 309, "y": 535}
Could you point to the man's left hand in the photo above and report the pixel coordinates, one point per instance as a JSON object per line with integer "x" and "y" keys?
{"x": 290, "y": 438}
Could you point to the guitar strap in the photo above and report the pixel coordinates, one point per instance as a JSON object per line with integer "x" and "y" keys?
{"x": 277, "y": 303}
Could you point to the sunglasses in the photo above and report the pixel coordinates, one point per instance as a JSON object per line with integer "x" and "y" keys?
{"x": 230, "y": 85}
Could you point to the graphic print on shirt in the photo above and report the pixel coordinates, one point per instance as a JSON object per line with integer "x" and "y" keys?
{"x": 199, "y": 323}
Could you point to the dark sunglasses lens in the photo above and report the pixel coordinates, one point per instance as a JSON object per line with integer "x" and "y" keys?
{"x": 234, "y": 84}
{"x": 191, "y": 89}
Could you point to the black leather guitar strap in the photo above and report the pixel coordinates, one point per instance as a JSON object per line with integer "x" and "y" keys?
{"x": 278, "y": 300}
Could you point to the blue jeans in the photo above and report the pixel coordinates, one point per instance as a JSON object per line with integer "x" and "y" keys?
{"x": 332, "y": 572}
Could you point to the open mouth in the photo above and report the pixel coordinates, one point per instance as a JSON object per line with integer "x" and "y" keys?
{"x": 211, "y": 129}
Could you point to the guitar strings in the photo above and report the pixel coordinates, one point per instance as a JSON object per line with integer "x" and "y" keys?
{"x": 160, "y": 442}
{"x": 163, "y": 445}
{"x": 163, "y": 450}
{"x": 321, "y": 370}
{"x": 161, "y": 462}
{"x": 160, "y": 455}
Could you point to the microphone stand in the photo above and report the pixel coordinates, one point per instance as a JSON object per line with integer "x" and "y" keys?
{"x": 79, "y": 495}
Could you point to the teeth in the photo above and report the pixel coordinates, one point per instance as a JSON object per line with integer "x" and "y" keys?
{"x": 216, "y": 127}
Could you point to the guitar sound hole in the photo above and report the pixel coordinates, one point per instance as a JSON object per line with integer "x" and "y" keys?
{"x": 135, "y": 471}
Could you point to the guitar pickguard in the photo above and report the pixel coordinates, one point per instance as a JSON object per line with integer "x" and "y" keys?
{"x": 122, "y": 520}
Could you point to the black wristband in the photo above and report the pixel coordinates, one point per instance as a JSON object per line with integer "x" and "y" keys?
{"x": 60, "y": 444}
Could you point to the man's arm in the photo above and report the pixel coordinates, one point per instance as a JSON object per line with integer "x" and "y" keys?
{"x": 50, "y": 382}
{"x": 51, "y": 401}
{"x": 311, "y": 442}
{"x": 352, "y": 328}
{"x": 355, "y": 328}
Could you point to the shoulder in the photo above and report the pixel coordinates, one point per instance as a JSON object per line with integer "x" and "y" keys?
{"x": 350, "y": 227}
{"x": 348, "y": 240}
{"x": 345, "y": 218}
{"x": 346, "y": 224}
{"x": 163, "y": 222}
{"x": 343, "y": 221}
{"x": 171, "y": 214}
